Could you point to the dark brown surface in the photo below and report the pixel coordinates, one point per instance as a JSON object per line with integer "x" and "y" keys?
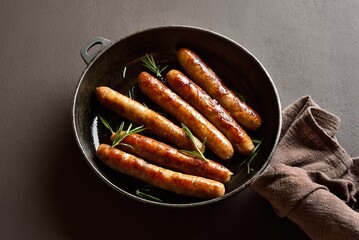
{"x": 48, "y": 191}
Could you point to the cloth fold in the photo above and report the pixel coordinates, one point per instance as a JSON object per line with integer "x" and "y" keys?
{"x": 311, "y": 179}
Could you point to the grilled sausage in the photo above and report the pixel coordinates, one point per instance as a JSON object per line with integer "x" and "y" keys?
{"x": 201, "y": 74}
{"x": 141, "y": 115}
{"x": 166, "y": 156}
{"x": 176, "y": 182}
{"x": 186, "y": 114}
{"x": 210, "y": 109}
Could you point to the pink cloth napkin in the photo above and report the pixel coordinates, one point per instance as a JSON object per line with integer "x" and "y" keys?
{"x": 311, "y": 179}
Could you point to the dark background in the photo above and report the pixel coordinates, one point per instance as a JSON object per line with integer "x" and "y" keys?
{"x": 48, "y": 191}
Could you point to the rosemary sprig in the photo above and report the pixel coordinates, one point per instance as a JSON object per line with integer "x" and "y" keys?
{"x": 197, "y": 152}
{"x": 253, "y": 154}
{"x": 120, "y": 134}
{"x": 149, "y": 62}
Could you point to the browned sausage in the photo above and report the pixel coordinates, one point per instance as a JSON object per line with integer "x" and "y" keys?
{"x": 184, "y": 113}
{"x": 141, "y": 115}
{"x": 210, "y": 109}
{"x": 176, "y": 182}
{"x": 166, "y": 156}
{"x": 201, "y": 74}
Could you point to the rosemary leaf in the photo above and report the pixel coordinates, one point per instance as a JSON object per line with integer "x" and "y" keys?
{"x": 126, "y": 145}
{"x": 191, "y": 153}
{"x": 249, "y": 169}
{"x": 137, "y": 129}
{"x": 203, "y": 145}
{"x": 117, "y": 139}
{"x": 197, "y": 152}
{"x": 124, "y": 72}
{"x": 147, "y": 194}
{"x": 256, "y": 141}
{"x": 253, "y": 155}
{"x": 131, "y": 93}
{"x": 241, "y": 96}
{"x": 105, "y": 123}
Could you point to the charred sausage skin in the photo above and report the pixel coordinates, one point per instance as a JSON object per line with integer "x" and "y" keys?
{"x": 166, "y": 156}
{"x": 141, "y": 115}
{"x": 210, "y": 109}
{"x": 176, "y": 182}
{"x": 203, "y": 75}
{"x": 186, "y": 114}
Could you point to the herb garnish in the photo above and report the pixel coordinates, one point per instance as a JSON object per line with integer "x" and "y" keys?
{"x": 105, "y": 123}
{"x": 253, "y": 154}
{"x": 146, "y": 193}
{"x": 256, "y": 141}
{"x": 241, "y": 96}
{"x": 149, "y": 62}
{"x": 124, "y": 72}
{"x": 120, "y": 134}
{"x": 197, "y": 152}
{"x": 130, "y": 94}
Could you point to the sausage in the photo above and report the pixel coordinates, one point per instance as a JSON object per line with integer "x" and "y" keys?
{"x": 176, "y": 182}
{"x": 203, "y": 75}
{"x": 211, "y": 110}
{"x": 141, "y": 115}
{"x": 164, "y": 155}
{"x": 186, "y": 114}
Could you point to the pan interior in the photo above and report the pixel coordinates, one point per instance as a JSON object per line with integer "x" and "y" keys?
{"x": 118, "y": 67}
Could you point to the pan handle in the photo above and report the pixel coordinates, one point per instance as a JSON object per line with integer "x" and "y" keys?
{"x": 86, "y": 56}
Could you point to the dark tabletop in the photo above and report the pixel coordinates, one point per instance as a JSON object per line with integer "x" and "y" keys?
{"x": 48, "y": 191}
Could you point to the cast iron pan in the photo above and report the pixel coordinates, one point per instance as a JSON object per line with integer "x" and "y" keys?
{"x": 117, "y": 64}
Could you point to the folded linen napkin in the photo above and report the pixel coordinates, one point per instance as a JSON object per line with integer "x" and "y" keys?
{"x": 311, "y": 179}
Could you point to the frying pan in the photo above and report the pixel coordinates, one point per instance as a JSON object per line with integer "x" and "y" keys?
{"x": 117, "y": 64}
